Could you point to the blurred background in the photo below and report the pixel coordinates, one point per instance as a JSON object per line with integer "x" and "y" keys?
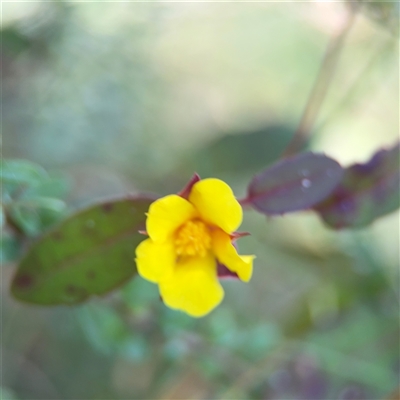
{"x": 122, "y": 98}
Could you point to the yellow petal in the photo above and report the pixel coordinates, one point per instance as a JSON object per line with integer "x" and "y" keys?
{"x": 166, "y": 215}
{"x": 155, "y": 261}
{"x": 216, "y": 204}
{"x": 226, "y": 254}
{"x": 193, "y": 287}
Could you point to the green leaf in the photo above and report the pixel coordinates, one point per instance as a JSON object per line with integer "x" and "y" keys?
{"x": 14, "y": 41}
{"x": 21, "y": 172}
{"x": 366, "y": 192}
{"x": 10, "y": 248}
{"x": 293, "y": 184}
{"x": 90, "y": 253}
{"x": 53, "y": 186}
{"x": 29, "y": 196}
{"x": 26, "y": 218}
{"x": 35, "y": 215}
{"x": 23, "y": 180}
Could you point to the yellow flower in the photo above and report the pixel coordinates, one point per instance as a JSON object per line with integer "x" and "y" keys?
{"x": 190, "y": 236}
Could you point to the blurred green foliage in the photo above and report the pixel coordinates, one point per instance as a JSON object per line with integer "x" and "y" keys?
{"x": 30, "y": 196}
{"x": 386, "y": 13}
{"x": 30, "y": 203}
{"x": 126, "y": 96}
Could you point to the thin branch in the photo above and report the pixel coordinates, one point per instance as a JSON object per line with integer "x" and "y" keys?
{"x": 320, "y": 87}
{"x": 382, "y": 49}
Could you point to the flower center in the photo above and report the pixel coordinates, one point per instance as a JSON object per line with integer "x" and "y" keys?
{"x": 192, "y": 239}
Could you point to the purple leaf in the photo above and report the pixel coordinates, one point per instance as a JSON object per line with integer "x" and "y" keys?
{"x": 293, "y": 184}
{"x": 367, "y": 191}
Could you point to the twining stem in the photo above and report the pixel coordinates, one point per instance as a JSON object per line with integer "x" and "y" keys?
{"x": 382, "y": 49}
{"x": 320, "y": 87}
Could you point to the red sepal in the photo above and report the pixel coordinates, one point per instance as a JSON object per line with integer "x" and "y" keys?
{"x": 238, "y": 235}
{"x": 185, "y": 192}
{"x": 224, "y": 273}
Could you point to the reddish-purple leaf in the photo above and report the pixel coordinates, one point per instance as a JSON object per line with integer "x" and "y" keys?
{"x": 294, "y": 184}
{"x": 366, "y": 192}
